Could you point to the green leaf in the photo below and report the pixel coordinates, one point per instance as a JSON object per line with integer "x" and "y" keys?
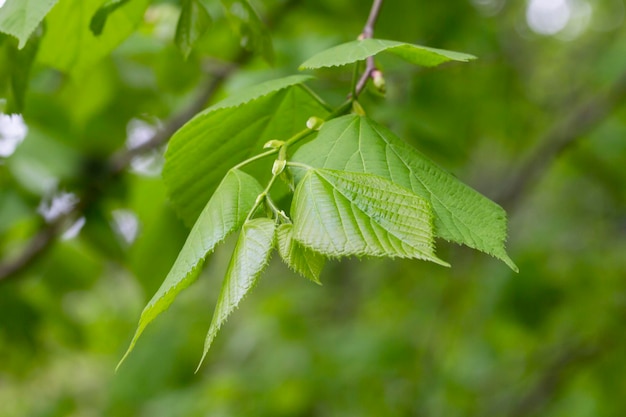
{"x": 252, "y": 31}
{"x": 201, "y": 152}
{"x": 193, "y": 22}
{"x": 19, "y": 18}
{"x": 340, "y": 213}
{"x": 70, "y": 46}
{"x": 15, "y": 69}
{"x": 251, "y": 256}
{"x": 354, "y": 51}
{"x": 100, "y": 18}
{"x": 304, "y": 261}
{"x": 223, "y": 214}
{"x": 462, "y": 215}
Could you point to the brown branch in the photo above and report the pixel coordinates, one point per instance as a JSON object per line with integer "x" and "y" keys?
{"x": 368, "y": 33}
{"x": 557, "y": 140}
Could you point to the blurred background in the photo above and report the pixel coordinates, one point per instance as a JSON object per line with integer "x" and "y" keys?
{"x": 537, "y": 123}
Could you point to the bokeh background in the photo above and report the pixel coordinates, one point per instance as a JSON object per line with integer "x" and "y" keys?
{"x": 537, "y": 123}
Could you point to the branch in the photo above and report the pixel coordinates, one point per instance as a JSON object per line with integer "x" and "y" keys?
{"x": 558, "y": 139}
{"x": 368, "y": 33}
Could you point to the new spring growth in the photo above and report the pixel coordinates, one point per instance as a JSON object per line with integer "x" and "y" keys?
{"x": 379, "y": 81}
{"x": 314, "y": 123}
{"x": 273, "y": 144}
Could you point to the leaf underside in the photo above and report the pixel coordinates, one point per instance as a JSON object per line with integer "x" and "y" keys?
{"x": 358, "y": 144}
{"x": 301, "y": 260}
{"x": 225, "y": 212}
{"x": 203, "y": 150}
{"x": 340, "y": 213}
{"x": 251, "y": 256}
{"x": 355, "y": 51}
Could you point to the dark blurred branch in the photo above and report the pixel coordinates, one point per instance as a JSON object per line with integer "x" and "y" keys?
{"x": 119, "y": 161}
{"x": 578, "y": 123}
{"x": 368, "y": 33}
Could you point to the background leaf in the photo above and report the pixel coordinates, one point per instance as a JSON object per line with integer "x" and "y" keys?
{"x": 223, "y": 214}
{"x": 304, "y": 261}
{"x": 201, "y": 152}
{"x": 193, "y": 22}
{"x": 251, "y": 255}
{"x": 357, "y": 143}
{"x": 19, "y": 18}
{"x": 99, "y": 19}
{"x": 353, "y": 214}
{"x": 354, "y": 51}
{"x": 68, "y": 25}
{"x": 252, "y": 32}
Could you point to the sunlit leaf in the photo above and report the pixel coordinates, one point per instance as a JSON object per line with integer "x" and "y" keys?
{"x": 354, "y": 51}
{"x": 462, "y": 215}
{"x": 223, "y": 214}
{"x": 203, "y": 150}
{"x": 251, "y": 255}
{"x": 304, "y": 261}
{"x": 19, "y": 18}
{"x": 340, "y": 213}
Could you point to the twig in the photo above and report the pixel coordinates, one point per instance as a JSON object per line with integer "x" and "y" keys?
{"x": 579, "y": 123}
{"x": 368, "y": 33}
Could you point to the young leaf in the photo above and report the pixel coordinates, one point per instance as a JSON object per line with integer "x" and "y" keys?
{"x": 99, "y": 19}
{"x": 193, "y": 22}
{"x": 354, "y": 51}
{"x": 68, "y": 25}
{"x": 462, "y": 215}
{"x": 339, "y": 213}
{"x": 251, "y": 255}
{"x": 223, "y": 214}
{"x": 251, "y": 30}
{"x": 20, "y": 18}
{"x": 304, "y": 261}
{"x": 201, "y": 152}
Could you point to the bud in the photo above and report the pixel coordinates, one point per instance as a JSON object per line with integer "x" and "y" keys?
{"x": 379, "y": 81}
{"x": 274, "y": 144}
{"x": 314, "y": 123}
{"x": 279, "y": 166}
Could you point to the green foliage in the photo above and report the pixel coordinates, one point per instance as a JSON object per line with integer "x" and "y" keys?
{"x": 20, "y": 18}
{"x": 304, "y": 261}
{"x": 253, "y": 33}
{"x": 364, "y": 193}
{"x": 68, "y": 24}
{"x": 358, "y": 144}
{"x": 225, "y": 212}
{"x": 355, "y": 51}
{"x": 250, "y": 257}
{"x": 342, "y": 213}
{"x": 100, "y": 18}
{"x": 193, "y": 22}
{"x": 215, "y": 140}
{"x": 381, "y": 337}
